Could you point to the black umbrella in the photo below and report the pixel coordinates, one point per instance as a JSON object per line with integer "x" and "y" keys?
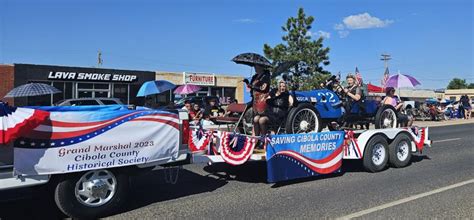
{"x": 252, "y": 59}
{"x": 32, "y": 89}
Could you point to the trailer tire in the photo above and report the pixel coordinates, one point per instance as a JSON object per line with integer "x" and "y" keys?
{"x": 69, "y": 198}
{"x": 399, "y": 151}
{"x": 376, "y": 154}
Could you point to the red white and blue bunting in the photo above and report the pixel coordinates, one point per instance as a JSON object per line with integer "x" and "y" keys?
{"x": 236, "y": 149}
{"x": 199, "y": 139}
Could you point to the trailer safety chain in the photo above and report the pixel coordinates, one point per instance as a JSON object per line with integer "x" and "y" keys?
{"x": 169, "y": 174}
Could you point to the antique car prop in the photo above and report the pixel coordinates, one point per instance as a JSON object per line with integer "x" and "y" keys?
{"x": 313, "y": 110}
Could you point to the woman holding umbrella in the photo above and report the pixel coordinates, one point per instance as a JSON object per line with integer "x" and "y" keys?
{"x": 259, "y": 89}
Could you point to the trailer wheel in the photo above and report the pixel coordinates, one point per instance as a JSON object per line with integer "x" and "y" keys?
{"x": 376, "y": 154}
{"x": 399, "y": 151}
{"x": 91, "y": 194}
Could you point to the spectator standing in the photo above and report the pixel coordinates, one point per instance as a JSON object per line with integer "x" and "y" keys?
{"x": 465, "y": 106}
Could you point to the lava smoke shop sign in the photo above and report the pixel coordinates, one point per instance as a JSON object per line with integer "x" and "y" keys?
{"x": 80, "y": 82}
{"x": 108, "y": 77}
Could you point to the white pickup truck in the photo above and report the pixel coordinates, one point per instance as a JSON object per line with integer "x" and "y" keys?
{"x": 87, "y": 155}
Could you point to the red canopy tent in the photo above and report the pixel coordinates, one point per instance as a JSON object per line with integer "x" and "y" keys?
{"x": 373, "y": 88}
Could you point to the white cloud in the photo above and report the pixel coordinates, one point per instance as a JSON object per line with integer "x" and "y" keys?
{"x": 324, "y": 34}
{"x": 343, "y": 33}
{"x": 320, "y": 33}
{"x": 338, "y": 27}
{"x": 245, "y": 20}
{"x": 360, "y": 21}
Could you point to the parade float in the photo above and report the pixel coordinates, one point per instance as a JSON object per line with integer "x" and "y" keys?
{"x": 87, "y": 153}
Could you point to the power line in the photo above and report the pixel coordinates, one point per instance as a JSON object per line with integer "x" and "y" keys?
{"x": 385, "y": 58}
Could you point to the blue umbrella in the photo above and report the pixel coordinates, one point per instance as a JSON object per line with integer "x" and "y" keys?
{"x": 155, "y": 87}
{"x": 32, "y": 89}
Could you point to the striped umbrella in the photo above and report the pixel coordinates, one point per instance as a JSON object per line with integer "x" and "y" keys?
{"x": 32, "y": 89}
{"x": 401, "y": 81}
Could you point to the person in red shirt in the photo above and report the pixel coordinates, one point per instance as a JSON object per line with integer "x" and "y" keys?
{"x": 195, "y": 114}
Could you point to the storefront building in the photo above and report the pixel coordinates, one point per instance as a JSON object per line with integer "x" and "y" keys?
{"x": 225, "y": 87}
{"x": 74, "y": 82}
{"x": 455, "y": 94}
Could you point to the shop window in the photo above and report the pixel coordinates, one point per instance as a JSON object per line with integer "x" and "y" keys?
{"x": 101, "y": 94}
{"x": 68, "y": 90}
{"x": 133, "y": 95}
{"x": 216, "y": 91}
{"x": 85, "y": 86}
{"x": 229, "y": 94}
{"x": 60, "y": 95}
{"x": 121, "y": 92}
{"x": 101, "y": 86}
{"x": 84, "y": 94}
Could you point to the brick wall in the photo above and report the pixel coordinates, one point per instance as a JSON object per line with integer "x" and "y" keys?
{"x": 6, "y": 81}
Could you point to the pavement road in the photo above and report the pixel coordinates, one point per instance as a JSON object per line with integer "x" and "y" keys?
{"x": 439, "y": 183}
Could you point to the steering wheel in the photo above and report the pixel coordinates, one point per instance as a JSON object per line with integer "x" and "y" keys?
{"x": 340, "y": 91}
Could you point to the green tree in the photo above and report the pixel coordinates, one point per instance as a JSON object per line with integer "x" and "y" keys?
{"x": 457, "y": 83}
{"x": 306, "y": 55}
{"x": 470, "y": 86}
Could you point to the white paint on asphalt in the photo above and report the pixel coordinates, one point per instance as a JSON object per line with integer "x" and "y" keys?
{"x": 451, "y": 139}
{"x": 405, "y": 200}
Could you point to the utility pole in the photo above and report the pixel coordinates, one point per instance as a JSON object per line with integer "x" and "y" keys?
{"x": 99, "y": 59}
{"x": 385, "y": 58}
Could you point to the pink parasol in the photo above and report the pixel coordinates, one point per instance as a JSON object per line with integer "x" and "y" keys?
{"x": 187, "y": 89}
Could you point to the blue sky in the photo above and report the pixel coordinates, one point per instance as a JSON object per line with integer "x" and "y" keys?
{"x": 429, "y": 39}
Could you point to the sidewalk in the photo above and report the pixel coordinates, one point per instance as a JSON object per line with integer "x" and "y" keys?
{"x": 443, "y": 123}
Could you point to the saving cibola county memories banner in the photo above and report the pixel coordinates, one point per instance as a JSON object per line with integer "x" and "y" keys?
{"x": 85, "y": 138}
{"x": 293, "y": 156}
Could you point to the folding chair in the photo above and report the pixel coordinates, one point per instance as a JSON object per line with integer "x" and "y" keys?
{"x": 232, "y": 120}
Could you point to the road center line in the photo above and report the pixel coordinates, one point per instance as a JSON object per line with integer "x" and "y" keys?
{"x": 405, "y": 200}
{"x": 451, "y": 139}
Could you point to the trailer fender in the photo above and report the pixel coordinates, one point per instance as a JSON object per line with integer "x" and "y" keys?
{"x": 389, "y": 134}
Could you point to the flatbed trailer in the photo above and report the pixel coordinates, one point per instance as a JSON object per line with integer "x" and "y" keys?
{"x": 377, "y": 149}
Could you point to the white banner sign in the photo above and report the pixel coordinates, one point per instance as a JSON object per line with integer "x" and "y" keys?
{"x": 199, "y": 79}
{"x": 77, "y": 141}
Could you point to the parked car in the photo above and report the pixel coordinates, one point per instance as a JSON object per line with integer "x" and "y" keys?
{"x": 201, "y": 100}
{"x": 89, "y": 101}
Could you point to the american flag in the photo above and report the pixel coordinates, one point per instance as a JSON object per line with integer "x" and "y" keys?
{"x": 358, "y": 76}
{"x": 385, "y": 77}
